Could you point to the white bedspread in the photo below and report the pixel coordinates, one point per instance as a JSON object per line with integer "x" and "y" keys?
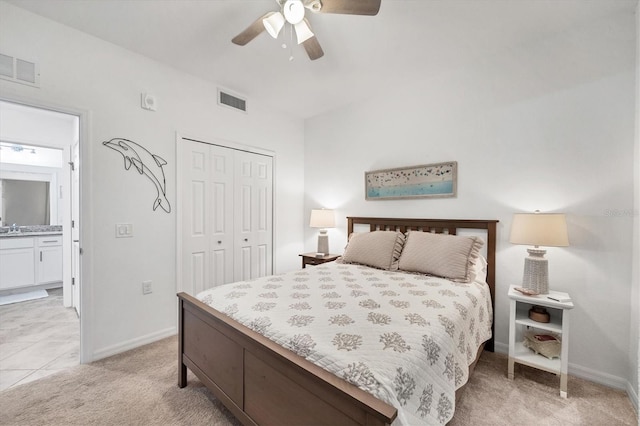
{"x": 405, "y": 338}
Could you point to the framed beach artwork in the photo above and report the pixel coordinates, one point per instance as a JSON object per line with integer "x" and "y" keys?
{"x": 438, "y": 180}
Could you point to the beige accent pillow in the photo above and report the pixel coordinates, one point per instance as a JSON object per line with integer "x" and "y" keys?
{"x": 379, "y": 249}
{"x": 443, "y": 255}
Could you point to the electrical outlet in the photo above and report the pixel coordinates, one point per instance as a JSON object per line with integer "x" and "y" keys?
{"x": 146, "y": 287}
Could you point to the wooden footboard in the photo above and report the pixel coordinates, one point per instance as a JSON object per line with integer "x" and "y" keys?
{"x": 256, "y": 378}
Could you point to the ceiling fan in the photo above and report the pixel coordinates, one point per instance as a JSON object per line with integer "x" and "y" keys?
{"x": 293, "y": 11}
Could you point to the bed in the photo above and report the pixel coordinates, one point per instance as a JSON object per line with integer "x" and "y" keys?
{"x": 239, "y": 347}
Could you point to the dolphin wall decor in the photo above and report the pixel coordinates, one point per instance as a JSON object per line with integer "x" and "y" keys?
{"x": 145, "y": 163}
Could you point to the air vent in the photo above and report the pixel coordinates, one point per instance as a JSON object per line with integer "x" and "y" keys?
{"x": 231, "y": 101}
{"x": 19, "y": 70}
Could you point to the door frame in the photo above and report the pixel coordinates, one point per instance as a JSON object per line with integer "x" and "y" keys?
{"x": 86, "y": 270}
{"x": 179, "y": 196}
{"x": 73, "y": 206}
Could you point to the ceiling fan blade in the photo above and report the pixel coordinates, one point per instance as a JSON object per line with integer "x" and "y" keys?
{"x": 313, "y": 48}
{"x": 251, "y": 32}
{"x": 348, "y": 7}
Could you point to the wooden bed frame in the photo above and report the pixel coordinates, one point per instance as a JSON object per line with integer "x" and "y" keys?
{"x": 252, "y": 376}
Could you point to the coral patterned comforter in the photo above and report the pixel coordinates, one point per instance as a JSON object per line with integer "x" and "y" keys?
{"x": 408, "y": 339}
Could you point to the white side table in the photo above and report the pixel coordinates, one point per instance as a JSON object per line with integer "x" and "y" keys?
{"x": 519, "y": 321}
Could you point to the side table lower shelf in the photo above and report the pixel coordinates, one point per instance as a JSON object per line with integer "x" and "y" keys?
{"x": 558, "y": 326}
{"x": 525, "y": 356}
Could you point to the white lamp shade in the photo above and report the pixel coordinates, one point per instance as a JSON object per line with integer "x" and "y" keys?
{"x": 322, "y": 218}
{"x": 303, "y": 32}
{"x": 273, "y": 23}
{"x": 539, "y": 229}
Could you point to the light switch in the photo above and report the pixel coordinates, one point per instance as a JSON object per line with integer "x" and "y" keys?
{"x": 124, "y": 230}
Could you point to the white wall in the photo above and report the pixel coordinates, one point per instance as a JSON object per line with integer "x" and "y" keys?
{"x": 548, "y": 126}
{"x": 83, "y": 73}
{"x": 634, "y": 347}
{"x": 54, "y": 129}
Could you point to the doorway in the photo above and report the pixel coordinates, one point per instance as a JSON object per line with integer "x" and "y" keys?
{"x": 31, "y": 129}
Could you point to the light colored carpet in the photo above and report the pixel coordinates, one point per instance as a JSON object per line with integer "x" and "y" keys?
{"x": 533, "y": 398}
{"x": 139, "y": 387}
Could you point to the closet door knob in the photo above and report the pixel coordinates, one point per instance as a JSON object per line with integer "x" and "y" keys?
{"x": 246, "y": 239}
{"x": 219, "y": 242}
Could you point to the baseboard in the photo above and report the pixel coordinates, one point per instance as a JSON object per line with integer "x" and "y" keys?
{"x": 598, "y": 377}
{"x": 633, "y": 396}
{"x": 133, "y": 343}
{"x": 501, "y": 348}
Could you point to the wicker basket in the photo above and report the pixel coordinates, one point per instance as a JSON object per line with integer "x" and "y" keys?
{"x": 545, "y": 344}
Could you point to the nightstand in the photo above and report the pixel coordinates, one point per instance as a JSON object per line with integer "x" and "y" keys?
{"x": 312, "y": 259}
{"x": 519, "y": 321}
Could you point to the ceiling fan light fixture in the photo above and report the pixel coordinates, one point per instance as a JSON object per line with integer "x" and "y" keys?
{"x": 303, "y": 32}
{"x": 274, "y": 23}
{"x": 293, "y": 11}
{"x": 314, "y": 5}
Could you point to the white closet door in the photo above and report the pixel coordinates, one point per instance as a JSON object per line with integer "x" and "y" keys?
{"x": 253, "y": 215}
{"x": 207, "y": 221}
{"x": 227, "y": 215}
{"x": 221, "y": 217}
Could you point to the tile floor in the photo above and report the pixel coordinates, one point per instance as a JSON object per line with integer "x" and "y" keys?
{"x": 37, "y": 338}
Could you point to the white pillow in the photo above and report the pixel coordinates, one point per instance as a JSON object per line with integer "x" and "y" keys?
{"x": 480, "y": 269}
{"x": 379, "y": 249}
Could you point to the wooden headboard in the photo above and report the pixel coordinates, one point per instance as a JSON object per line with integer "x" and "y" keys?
{"x": 440, "y": 226}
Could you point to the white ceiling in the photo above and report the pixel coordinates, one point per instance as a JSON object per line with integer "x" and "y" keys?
{"x": 363, "y": 54}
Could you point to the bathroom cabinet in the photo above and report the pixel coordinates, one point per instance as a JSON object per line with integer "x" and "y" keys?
{"x": 30, "y": 260}
{"x": 49, "y": 258}
{"x": 17, "y": 262}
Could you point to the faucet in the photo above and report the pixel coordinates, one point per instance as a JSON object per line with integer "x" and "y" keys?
{"x": 14, "y": 229}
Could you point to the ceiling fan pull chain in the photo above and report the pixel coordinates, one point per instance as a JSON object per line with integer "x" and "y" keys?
{"x": 290, "y": 42}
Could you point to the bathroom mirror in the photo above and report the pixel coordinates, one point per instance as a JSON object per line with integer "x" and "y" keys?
{"x": 29, "y": 179}
{"x": 25, "y": 202}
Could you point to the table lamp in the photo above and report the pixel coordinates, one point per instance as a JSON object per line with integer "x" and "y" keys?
{"x": 538, "y": 229}
{"x": 323, "y": 219}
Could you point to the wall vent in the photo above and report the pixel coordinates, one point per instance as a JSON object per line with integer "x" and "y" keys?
{"x": 19, "y": 70}
{"x": 231, "y": 101}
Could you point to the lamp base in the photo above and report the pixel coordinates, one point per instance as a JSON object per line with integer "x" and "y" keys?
{"x": 323, "y": 242}
{"x": 536, "y": 272}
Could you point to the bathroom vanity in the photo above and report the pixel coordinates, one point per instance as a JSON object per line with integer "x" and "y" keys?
{"x": 32, "y": 258}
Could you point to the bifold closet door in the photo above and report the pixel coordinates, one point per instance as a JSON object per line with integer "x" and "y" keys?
{"x": 207, "y": 217}
{"x": 253, "y": 215}
{"x": 227, "y": 201}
